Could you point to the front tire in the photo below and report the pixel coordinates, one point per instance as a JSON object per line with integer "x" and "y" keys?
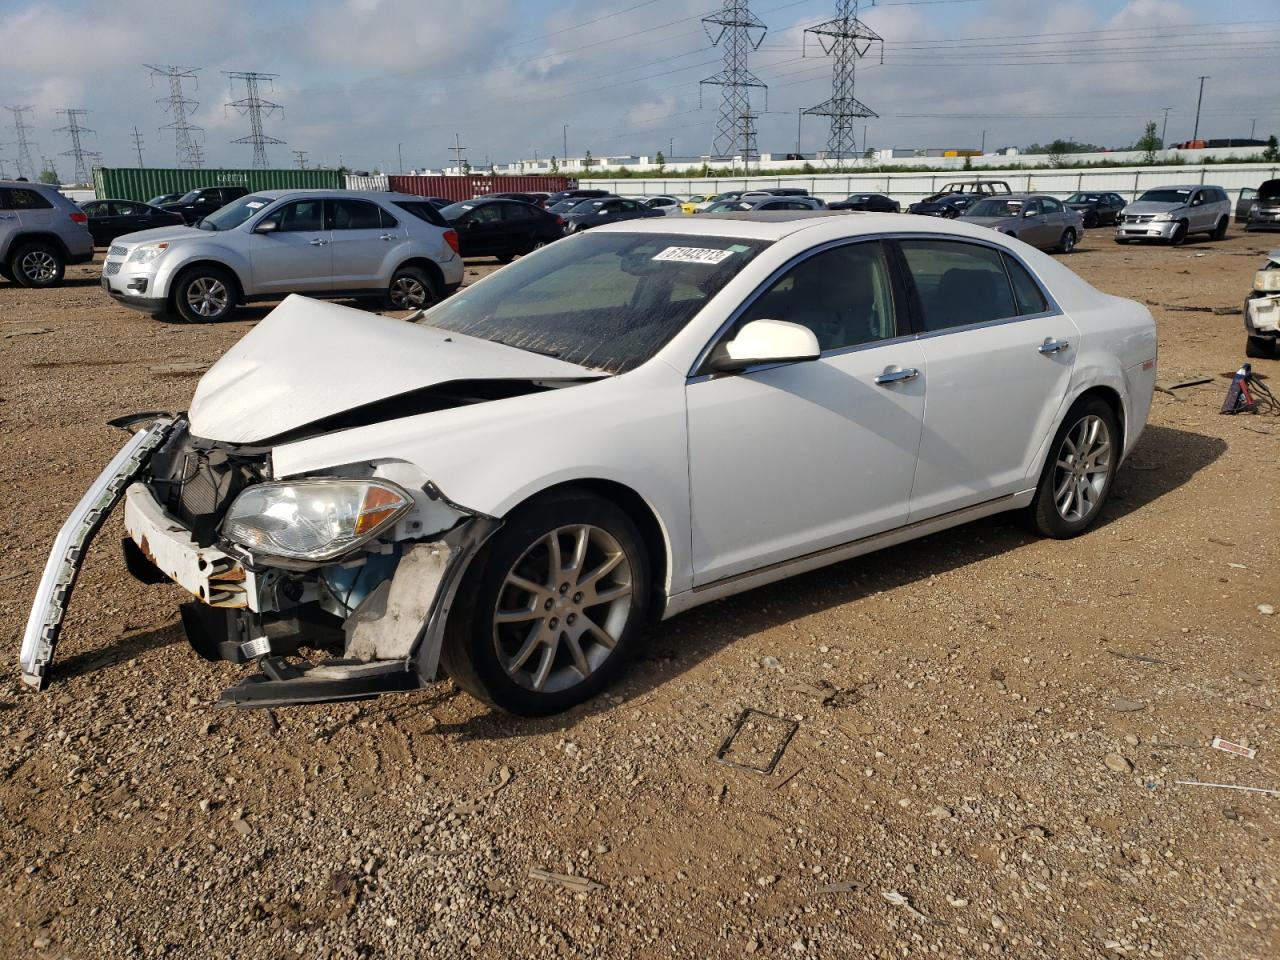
{"x": 1078, "y": 475}
{"x": 1261, "y": 348}
{"x": 1179, "y": 234}
{"x": 37, "y": 265}
{"x": 1220, "y": 231}
{"x": 205, "y": 295}
{"x": 558, "y": 600}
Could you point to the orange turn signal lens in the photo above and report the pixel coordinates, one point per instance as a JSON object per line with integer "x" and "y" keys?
{"x": 378, "y": 505}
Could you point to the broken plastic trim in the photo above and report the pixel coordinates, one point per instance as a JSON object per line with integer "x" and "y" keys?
{"x": 133, "y": 422}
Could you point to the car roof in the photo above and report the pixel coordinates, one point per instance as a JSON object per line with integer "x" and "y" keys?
{"x": 339, "y": 193}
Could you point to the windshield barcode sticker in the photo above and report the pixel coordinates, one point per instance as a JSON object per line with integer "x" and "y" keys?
{"x": 694, "y": 255}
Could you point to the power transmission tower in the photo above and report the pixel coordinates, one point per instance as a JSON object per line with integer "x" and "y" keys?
{"x": 255, "y": 108}
{"x": 301, "y": 157}
{"x": 26, "y": 166}
{"x": 137, "y": 145}
{"x": 845, "y": 39}
{"x": 741, "y": 32}
{"x": 179, "y": 106}
{"x": 77, "y": 151}
{"x": 48, "y": 167}
{"x": 747, "y": 121}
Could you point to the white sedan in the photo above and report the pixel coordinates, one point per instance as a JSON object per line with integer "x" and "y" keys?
{"x": 619, "y": 427}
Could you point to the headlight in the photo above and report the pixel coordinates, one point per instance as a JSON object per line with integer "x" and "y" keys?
{"x": 1162, "y": 217}
{"x": 148, "y": 252}
{"x": 313, "y": 519}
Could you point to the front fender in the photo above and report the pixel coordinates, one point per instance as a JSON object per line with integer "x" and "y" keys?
{"x": 178, "y": 260}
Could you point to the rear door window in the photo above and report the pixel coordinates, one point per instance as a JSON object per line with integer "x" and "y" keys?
{"x": 1026, "y": 292}
{"x": 957, "y": 283}
{"x": 22, "y": 198}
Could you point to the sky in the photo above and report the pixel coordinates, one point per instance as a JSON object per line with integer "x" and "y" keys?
{"x": 387, "y": 84}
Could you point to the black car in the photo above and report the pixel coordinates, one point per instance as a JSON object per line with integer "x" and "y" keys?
{"x": 570, "y": 194}
{"x": 504, "y": 229}
{"x": 562, "y": 207}
{"x": 601, "y": 210}
{"x": 109, "y": 219}
{"x": 949, "y": 206}
{"x": 874, "y": 202}
{"x": 439, "y": 202}
{"x": 1264, "y": 211}
{"x": 197, "y": 204}
{"x": 164, "y": 198}
{"x": 532, "y": 198}
{"x": 1097, "y": 209}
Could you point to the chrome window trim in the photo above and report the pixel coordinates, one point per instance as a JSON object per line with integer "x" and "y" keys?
{"x": 1054, "y": 308}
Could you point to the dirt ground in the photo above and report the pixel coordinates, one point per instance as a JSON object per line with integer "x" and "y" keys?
{"x": 990, "y": 726}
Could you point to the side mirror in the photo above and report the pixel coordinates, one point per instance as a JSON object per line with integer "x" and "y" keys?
{"x": 766, "y": 341}
{"x": 270, "y": 225}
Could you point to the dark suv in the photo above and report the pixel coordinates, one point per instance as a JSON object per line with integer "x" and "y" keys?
{"x": 1264, "y": 212}
{"x": 199, "y": 203}
{"x": 41, "y": 231}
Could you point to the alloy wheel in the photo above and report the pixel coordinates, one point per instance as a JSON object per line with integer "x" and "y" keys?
{"x": 208, "y": 297}
{"x": 408, "y": 293}
{"x": 1083, "y": 467}
{"x": 39, "y": 266}
{"x": 562, "y": 608}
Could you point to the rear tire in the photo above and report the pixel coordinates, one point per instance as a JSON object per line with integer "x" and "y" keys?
{"x": 410, "y": 289}
{"x": 204, "y": 295}
{"x": 1079, "y": 472}
{"x": 513, "y": 643}
{"x": 1068, "y": 241}
{"x": 505, "y": 258}
{"x": 37, "y": 265}
{"x": 1261, "y": 348}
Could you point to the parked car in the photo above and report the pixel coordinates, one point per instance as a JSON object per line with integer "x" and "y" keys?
{"x": 109, "y": 219}
{"x": 439, "y": 202}
{"x": 563, "y": 207}
{"x": 522, "y": 197}
{"x": 666, "y": 204}
{"x": 1264, "y": 212}
{"x": 1262, "y": 311}
{"x": 765, "y": 202}
{"x": 633, "y": 422}
{"x": 41, "y": 231}
{"x": 502, "y": 228}
{"x": 873, "y": 202}
{"x": 972, "y": 189}
{"x": 197, "y": 204}
{"x": 948, "y": 207}
{"x": 697, "y": 202}
{"x": 164, "y": 198}
{"x": 1097, "y": 209}
{"x": 1244, "y": 200}
{"x": 1035, "y": 218}
{"x": 1174, "y": 213}
{"x": 325, "y": 243}
{"x": 597, "y": 211}
{"x": 574, "y": 194}
{"x": 778, "y": 192}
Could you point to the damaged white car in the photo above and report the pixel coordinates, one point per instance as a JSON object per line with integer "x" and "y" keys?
{"x": 610, "y": 431}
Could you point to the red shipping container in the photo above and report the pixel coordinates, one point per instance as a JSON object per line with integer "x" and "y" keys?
{"x": 475, "y": 185}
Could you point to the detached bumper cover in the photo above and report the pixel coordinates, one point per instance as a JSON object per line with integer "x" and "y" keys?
{"x": 65, "y": 559}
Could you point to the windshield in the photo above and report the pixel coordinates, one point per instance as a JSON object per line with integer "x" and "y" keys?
{"x": 188, "y": 197}
{"x": 1085, "y": 198}
{"x": 994, "y": 207}
{"x": 608, "y": 301}
{"x": 727, "y": 206}
{"x": 234, "y": 213}
{"x": 1166, "y": 196}
{"x": 455, "y": 210}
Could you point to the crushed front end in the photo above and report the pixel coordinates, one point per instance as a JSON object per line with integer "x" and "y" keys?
{"x": 337, "y": 585}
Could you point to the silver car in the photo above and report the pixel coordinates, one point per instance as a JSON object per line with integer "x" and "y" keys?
{"x": 1171, "y": 214}
{"x": 1035, "y": 218}
{"x": 324, "y": 243}
{"x": 761, "y": 202}
{"x": 41, "y": 231}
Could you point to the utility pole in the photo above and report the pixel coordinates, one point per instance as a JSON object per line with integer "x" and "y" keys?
{"x": 77, "y": 151}
{"x": 1196, "y": 133}
{"x": 983, "y": 149}
{"x": 1253, "y": 126}
{"x": 255, "y": 108}
{"x": 26, "y": 166}
{"x": 399, "y": 157}
{"x": 301, "y": 157}
{"x": 564, "y": 146}
{"x": 1165, "y": 126}
{"x": 457, "y": 151}
{"x": 741, "y": 32}
{"x": 185, "y": 134}
{"x": 846, "y": 39}
{"x": 799, "y": 116}
{"x": 137, "y": 145}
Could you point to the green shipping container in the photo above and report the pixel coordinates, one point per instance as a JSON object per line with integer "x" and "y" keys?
{"x": 133, "y": 183}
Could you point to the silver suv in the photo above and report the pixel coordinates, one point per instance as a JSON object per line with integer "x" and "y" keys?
{"x": 41, "y": 231}
{"x": 1173, "y": 213}
{"x": 323, "y": 243}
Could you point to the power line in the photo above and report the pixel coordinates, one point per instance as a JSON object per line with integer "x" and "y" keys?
{"x": 74, "y": 131}
{"x": 845, "y": 39}
{"x": 186, "y": 135}
{"x": 26, "y": 166}
{"x": 255, "y": 108}
{"x": 741, "y": 31}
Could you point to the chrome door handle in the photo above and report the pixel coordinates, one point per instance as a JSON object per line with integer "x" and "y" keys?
{"x": 318, "y": 242}
{"x": 1051, "y": 345}
{"x": 897, "y": 375}
{"x": 386, "y": 236}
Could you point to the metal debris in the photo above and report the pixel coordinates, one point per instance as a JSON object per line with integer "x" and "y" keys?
{"x": 1228, "y": 786}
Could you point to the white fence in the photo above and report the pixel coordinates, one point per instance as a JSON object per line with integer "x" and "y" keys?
{"x": 909, "y": 187}
{"x": 368, "y": 183}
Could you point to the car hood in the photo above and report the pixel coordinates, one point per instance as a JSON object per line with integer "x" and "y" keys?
{"x": 163, "y": 235}
{"x": 990, "y": 221}
{"x": 308, "y": 360}
{"x": 1152, "y": 206}
{"x": 1081, "y": 204}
